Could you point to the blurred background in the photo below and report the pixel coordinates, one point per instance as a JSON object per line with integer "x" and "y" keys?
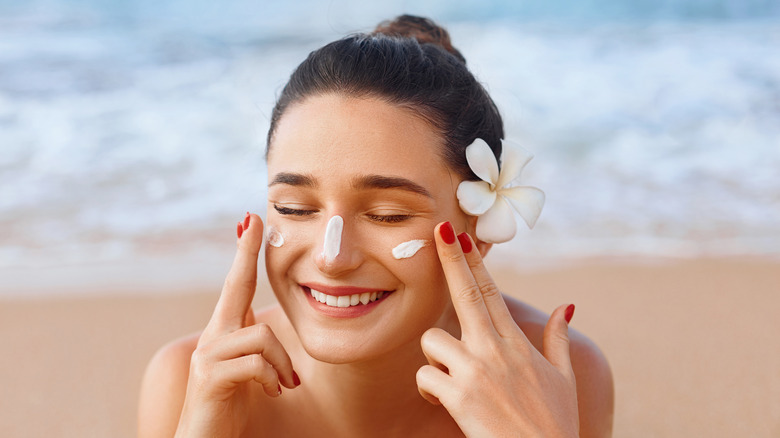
{"x": 133, "y": 131}
{"x": 132, "y": 136}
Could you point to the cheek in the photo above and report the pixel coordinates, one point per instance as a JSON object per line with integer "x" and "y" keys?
{"x": 425, "y": 287}
{"x": 274, "y": 237}
{"x": 282, "y": 247}
{"x": 409, "y": 248}
{"x": 411, "y": 256}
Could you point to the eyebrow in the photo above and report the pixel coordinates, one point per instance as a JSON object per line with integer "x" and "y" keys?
{"x": 389, "y": 182}
{"x": 293, "y": 179}
{"x": 360, "y": 183}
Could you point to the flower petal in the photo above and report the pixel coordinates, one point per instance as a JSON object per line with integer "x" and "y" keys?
{"x": 528, "y": 201}
{"x": 482, "y": 161}
{"x": 475, "y": 197}
{"x": 513, "y": 160}
{"x": 497, "y": 225}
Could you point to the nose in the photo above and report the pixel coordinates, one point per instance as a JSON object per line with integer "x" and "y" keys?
{"x": 339, "y": 252}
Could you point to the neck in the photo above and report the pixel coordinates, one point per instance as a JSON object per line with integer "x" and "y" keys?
{"x": 379, "y": 393}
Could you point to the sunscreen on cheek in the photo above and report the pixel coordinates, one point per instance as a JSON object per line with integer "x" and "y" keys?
{"x": 274, "y": 237}
{"x": 332, "y": 243}
{"x": 408, "y": 249}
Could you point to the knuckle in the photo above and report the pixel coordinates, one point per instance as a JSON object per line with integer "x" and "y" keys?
{"x": 423, "y": 373}
{"x": 200, "y": 370}
{"x": 263, "y": 331}
{"x": 474, "y": 261}
{"x": 490, "y": 290}
{"x": 474, "y": 370}
{"x": 454, "y": 257}
{"x": 562, "y": 336}
{"x": 458, "y": 399}
{"x": 519, "y": 348}
{"x": 469, "y": 294}
{"x": 431, "y": 336}
{"x": 200, "y": 355}
{"x": 256, "y": 362}
{"x": 492, "y": 348}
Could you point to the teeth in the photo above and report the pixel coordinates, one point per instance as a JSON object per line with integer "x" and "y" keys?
{"x": 346, "y": 300}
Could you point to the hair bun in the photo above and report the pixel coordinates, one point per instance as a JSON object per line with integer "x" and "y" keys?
{"x": 424, "y": 30}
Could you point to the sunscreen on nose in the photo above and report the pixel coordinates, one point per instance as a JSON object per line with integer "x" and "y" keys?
{"x": 332, "y": 243}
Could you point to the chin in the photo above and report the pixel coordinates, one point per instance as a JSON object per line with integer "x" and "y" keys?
{"x": 343, "y": 346}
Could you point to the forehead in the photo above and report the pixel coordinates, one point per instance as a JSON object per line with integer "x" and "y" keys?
{"x": 334, "y": 135}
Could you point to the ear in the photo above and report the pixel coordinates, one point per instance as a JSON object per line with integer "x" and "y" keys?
{"x": 482, "y": 247}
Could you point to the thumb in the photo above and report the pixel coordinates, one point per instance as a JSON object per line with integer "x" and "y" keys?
{"x": 556, "y": 338}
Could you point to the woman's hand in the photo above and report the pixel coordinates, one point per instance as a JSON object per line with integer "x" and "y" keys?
{"x": 233, "y": 352}
{"x": 493, "y": 381}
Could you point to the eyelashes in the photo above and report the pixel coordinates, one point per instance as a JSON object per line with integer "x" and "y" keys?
{"x": 391, "y": 218}
{"x": 292, "y": 211}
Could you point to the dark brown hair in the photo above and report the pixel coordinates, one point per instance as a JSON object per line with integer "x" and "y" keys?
{"x": 409, "y": 62}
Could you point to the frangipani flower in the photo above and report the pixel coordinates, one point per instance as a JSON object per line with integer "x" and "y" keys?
{"x": 490, "y": 198}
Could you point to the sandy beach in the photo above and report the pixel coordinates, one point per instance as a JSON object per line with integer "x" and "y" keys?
{"x": 133, "y": 138}
{"x": 691, "y": 344}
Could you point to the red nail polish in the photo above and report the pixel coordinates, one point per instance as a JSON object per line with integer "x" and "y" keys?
{"x": 465, "y": 242}
{"x": 246, "y": 221}
{"x": 239, "y": 230}
{"x": 569, "y": 313}
{"x": 447, "y": 233}
{"x": 296, "y": 379}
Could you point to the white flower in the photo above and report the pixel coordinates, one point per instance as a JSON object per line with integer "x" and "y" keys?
{"x": 490, "y": 198}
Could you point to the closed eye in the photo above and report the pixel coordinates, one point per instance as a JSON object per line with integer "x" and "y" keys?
{"x": 292, "y": 211}
{"x": 392, "y": 218}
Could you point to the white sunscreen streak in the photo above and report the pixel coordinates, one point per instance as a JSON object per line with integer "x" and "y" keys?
{"x": 332, "y": 242}
{"x": 408, "y": 249}
{"x": 274, "y": 237}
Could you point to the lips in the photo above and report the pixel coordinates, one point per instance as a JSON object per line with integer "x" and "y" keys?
{"x": 346, "y": 300}
{"x": 344, "y": 296}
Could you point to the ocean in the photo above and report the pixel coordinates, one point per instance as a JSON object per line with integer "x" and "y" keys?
{"x": 133, "y": 131}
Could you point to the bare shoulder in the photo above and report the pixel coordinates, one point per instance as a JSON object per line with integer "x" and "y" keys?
{"x": 595, "y": 386}
{"x": 164, "y": 385}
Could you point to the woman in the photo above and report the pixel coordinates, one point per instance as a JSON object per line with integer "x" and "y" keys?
{"x": 388, "y": 323}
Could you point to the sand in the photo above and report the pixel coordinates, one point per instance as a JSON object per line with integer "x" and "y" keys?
{"x": 692, "y": 345}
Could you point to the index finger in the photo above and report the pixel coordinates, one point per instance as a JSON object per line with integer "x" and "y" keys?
{"x": 464, "y": 290}
{"x": 239, "y": 288}
{"x": 499, "y": 313}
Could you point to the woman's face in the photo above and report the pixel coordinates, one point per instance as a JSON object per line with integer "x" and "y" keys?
{"x": 378, "y": 168}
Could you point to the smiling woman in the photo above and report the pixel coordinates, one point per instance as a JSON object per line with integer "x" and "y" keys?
{"x": 368, "y": 146}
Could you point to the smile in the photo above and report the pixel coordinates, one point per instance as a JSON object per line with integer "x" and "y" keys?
{"x": 344, "y": 301}
{"x": 347, "y": 300}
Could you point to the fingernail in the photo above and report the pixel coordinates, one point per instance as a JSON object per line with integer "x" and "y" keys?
{"x": 280, "y": 390}
{"x": 296, "y": 379}
{"x": 569, "y": 313}
{"x": 465, "y": 242}
{"x": 246, "y": 221}
{"x": 239, "y": 230}
{"x": 447, "y": 233}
